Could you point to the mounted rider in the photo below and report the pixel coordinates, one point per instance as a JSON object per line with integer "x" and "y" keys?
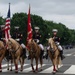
{"x": 57, "y": 42}
{"x": 18, "y": 36}
{"x": 37, "y": 37}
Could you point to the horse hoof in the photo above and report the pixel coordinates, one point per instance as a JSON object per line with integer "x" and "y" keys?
{"x": 54, "y": 72}
{"x": 16, "y": 71}
{"x": 11, "y": 70}
{"x": 36, "y": 71}
{"x": 40, "y": 69}
{"x": 0, "y": 70}
{"x": 33, "y": 70}
{"x": 21, "y": 70}
{"x": 8, "y": 69}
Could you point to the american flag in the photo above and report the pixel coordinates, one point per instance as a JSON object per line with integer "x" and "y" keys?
{"x": 7, "y": 25}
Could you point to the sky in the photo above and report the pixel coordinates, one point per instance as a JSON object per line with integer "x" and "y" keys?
{"x": 62, "y": 11}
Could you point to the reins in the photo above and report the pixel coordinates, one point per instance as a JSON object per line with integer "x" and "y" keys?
{"x": 16, "y": 49}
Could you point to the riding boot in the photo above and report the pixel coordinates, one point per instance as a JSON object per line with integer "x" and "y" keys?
{"x": 24, "y": 52}
{"x": 42, "y": 52}
{"x": 61, "y": 55}
{"x": 47, "y": 54}
{"x": 29, "y": 57}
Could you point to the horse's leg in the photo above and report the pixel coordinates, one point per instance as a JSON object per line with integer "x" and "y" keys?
{"x": 32, "y": 65}
{"x": 53, "y": 61}
{"x": 41, "y": 62}
{"x": 0, "y": 65}
{"x": 7, "y": 64}
{"x": 11, "y": 64}
{"x": 58, "y": 62}
{"x": 1, "y": 58}
{"x": 22, "y": 63}
{"x": 16, "y": 64}
{"x": 36, "y": 59}
{"x": 54, "y": 65}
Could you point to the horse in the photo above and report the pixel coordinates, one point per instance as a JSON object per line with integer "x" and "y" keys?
{"x": 2, "y": 53}
{"x": 55, "y": 55}
{"x": 34, "y": 52}
{"x": 16, "y": 51}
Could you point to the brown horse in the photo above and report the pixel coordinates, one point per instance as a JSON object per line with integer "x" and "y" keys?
{"x": 2, "y": 53}
{"x": 17, "y": 53}
{"x": 34, "y": 51}
{"x": 55, "y": 58}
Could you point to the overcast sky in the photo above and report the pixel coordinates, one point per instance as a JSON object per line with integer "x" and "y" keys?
{"x": 55, "y": 10}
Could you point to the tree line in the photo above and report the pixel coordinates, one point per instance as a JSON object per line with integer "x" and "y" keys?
{"x": 20, "y": 19}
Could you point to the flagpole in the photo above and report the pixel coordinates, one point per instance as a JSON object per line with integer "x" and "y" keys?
{"x": 29, "y": 27}
{"x": 9, "y": 5}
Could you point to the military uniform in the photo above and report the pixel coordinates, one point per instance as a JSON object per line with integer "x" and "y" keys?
{"x": 37, "y": 37}
{"x": 19, "y": 38}
{"x": 57, "y": 41}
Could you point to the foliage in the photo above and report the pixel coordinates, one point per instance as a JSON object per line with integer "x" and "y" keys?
{"x": 20, "y": 19}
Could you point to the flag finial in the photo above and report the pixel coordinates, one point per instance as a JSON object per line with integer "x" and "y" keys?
{"x": 9, "y": 3}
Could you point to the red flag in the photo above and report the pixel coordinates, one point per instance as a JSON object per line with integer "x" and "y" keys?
{"x": 29, "y": 28}
{"x": 7, "y": 25}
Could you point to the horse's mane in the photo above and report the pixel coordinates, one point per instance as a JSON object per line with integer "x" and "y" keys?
{"x": 12, "y": 40}
{"x": 52, "y": 43}
{"x": 31, "y": 41}
{"x": 50, "y": 39}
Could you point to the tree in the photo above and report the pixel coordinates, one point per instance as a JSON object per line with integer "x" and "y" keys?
{"x": 20, "y": 19}
{"x": 2, "y": 21}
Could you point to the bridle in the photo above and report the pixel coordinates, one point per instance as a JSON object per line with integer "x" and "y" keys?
{"x": 32, "y": 50}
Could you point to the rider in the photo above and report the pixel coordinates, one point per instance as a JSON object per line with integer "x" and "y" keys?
{"x": 36, "y": 37}
{"x": 19, "y": 38}
{"x": 57, "y": 41}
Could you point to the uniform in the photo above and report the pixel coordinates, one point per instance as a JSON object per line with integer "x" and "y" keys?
{"x": 19, "y": 38}
{"x": 36, "y": 37}
{"x": 57, "y": 41}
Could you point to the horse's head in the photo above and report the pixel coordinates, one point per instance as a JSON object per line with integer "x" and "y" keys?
{"x": 51, "y": 43}
{"x": 31, "y": 45}
{"x": 10, "y": 44}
